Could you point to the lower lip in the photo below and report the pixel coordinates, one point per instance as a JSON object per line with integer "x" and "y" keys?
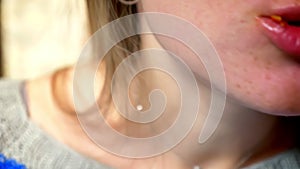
{"x": 285, "y": 37}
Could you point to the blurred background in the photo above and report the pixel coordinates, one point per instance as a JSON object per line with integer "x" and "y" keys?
{"x": 39, "y": 36}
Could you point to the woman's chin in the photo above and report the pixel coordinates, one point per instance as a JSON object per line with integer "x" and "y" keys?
{"x": 271, "y": 102}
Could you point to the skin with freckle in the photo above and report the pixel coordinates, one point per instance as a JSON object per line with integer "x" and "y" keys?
{"x": 260, "y": 78}
{"x": 258, "y": 74}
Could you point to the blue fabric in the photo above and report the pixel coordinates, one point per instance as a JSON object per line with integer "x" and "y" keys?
{"x": 10, "y": 163}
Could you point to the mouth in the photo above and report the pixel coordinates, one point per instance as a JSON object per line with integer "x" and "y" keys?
{"x": 283, "y": 29}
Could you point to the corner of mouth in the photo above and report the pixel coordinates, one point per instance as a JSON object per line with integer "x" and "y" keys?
{"x": 282, "y": 27}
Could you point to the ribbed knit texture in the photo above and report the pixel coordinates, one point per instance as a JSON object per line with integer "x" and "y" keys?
{"x": 287, "y": 160}
{"x": 26, "y": 143}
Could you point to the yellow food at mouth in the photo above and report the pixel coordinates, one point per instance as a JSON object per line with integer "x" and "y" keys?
{"x": 276, "y": 18}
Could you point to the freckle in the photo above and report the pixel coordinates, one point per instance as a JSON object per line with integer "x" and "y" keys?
{"x": 245, "y": 70}
{"x": 248, "y": 93}
{"x": 242, "y": 21}
{"x": 268, "y": 77}
{"x": 238, "y": 86}
{"x": 269, "y": 63}
{"x": 236, "y": 65}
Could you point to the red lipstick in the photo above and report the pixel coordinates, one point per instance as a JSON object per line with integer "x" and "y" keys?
{"x": 283, "y": 29}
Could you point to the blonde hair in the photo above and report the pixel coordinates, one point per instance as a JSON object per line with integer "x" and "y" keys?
{"x": 100, "y": 13}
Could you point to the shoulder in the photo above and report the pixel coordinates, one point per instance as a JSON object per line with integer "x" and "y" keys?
{"x": 12, "y": 114}
{"x": 10, "y": 96}
{"x": 22, "y": 140}
{"x": 286, "y": 160}
{"x": 10, "y": 90}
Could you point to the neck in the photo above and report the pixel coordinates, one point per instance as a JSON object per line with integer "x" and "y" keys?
{"x": 244, "y": 136}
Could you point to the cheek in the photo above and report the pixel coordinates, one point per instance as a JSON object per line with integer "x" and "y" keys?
{"x": 257, "y": 75}
{"x": 265, "y": 86}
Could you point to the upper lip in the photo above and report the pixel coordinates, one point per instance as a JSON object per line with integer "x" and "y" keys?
{"x": 282, "y": 27}
{"x": 289, "y": 13}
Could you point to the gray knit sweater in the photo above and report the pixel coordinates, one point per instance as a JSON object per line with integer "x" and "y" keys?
{"x": 25, "y": 142}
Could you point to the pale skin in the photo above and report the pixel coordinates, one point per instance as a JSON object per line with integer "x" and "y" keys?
{"x": 262, "y": 79}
